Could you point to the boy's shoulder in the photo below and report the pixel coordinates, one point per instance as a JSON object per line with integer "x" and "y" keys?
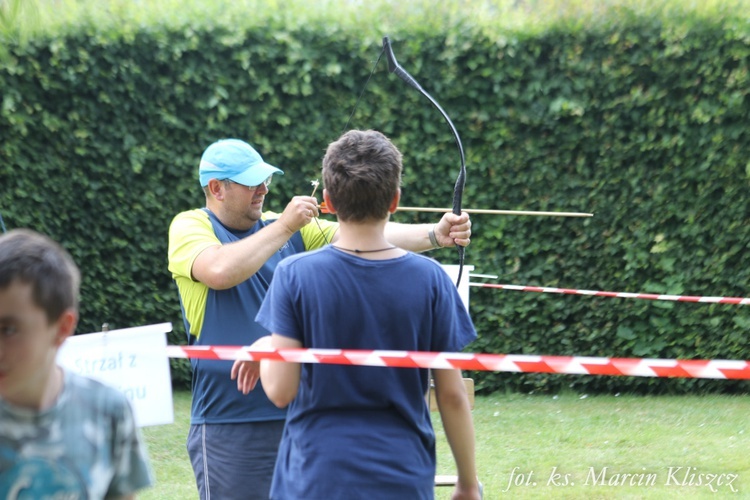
{"x": 94, "y": 395}
{"x": 308, "y": 258}
{"x": 327, "y": 253}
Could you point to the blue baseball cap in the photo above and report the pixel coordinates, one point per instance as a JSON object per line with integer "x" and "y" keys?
{"x": 235, "y": 160}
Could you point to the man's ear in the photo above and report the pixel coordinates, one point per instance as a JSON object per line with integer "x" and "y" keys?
{"x": 329, "y": 206}
{"x": 66, "y": 326}
{"x": 394, "y": 202}
{"x": 216, "y": 188}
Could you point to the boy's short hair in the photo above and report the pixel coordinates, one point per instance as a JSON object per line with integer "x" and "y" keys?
{"x": 30, "y": 257}
{"x": 362, "y": 173}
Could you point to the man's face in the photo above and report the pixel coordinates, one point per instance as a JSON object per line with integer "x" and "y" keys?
{"x": 245, "y": 202}
{"x": 28, "y": 345}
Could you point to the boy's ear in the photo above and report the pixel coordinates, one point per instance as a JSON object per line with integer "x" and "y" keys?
{"x": 66, "y": 326}
{"x": 329, "y": 206}
{"x": 394, "y": 202}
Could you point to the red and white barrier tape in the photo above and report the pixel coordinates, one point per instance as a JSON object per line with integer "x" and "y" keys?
{"x": 575, "y": 365}
{"x": 623, "y": 295}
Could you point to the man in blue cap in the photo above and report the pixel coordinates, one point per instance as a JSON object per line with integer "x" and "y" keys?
{"x": 222, "y": 258}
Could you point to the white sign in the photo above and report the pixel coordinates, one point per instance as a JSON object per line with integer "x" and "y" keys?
{"x": 133, "y": 360}
{"x": 463, "y": 287}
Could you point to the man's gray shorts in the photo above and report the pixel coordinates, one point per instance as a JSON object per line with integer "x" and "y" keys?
{"x": 234, "y": 461}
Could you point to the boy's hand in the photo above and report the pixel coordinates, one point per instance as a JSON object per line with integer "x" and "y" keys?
{"x": 453, "y": 230}
{"x": 467, "y": 492}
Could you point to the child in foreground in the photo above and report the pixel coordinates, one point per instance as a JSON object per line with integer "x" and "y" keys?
{"x": 61, "y": 435}
{"x": 355, "y": 431}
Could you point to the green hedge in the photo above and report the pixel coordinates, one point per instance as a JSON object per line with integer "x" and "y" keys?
{"x": 637, "y": 118}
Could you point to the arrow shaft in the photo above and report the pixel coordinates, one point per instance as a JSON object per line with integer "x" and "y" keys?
{"x": 497, "y": 212}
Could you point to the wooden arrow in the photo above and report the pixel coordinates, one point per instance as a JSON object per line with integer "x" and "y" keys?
{"x": 497, "y": 212}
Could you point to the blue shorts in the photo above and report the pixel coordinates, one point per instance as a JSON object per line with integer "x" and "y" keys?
{"x": 234, "y": 461}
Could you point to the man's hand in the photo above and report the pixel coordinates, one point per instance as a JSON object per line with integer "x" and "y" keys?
{"x": 453, "y": 230}
{"x": 299, "y": 212}
{"x": 247, "y": 373}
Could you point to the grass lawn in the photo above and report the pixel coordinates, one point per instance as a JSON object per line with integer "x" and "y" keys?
{"x": 566, "y": 447}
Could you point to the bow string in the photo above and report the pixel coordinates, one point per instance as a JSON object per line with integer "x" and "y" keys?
{"x": 458, "y": 190}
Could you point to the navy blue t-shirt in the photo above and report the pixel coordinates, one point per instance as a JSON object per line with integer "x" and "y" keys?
{"x": 368, "y": 426}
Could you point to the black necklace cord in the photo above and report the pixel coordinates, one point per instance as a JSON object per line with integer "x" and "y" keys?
{"x": 357, "y": 250}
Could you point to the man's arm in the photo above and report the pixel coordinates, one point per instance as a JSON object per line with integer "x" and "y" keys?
{"x": 224, "y": 266}
{"x": 452, "y": 229}
{"x": 455, "y": 412}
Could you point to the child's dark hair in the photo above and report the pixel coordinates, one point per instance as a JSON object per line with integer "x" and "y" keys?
{"x": 362, "y": 174}
{"x": 29, "y": 257}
